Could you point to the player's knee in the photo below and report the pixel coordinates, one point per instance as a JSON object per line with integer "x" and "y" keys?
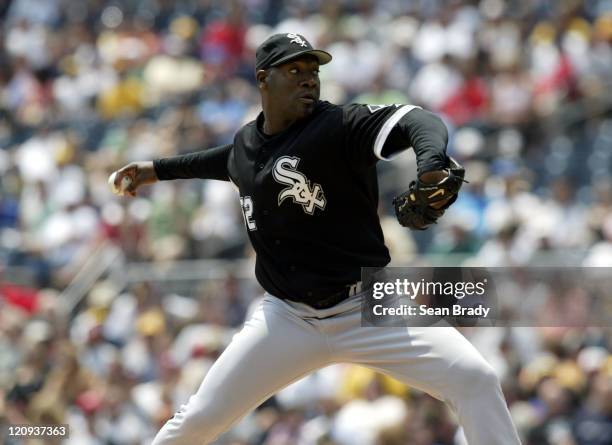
{"x": 487, "y": 377}
{"x": 478, "y": 378}
{"x": 207, "y": 419}
{"x": 195, "y": 423}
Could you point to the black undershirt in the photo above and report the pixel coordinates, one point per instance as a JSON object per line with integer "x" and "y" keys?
{"x": 419, "y": 129}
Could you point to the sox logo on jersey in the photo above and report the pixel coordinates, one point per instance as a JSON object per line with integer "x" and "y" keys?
{"x": 299, "y": 190}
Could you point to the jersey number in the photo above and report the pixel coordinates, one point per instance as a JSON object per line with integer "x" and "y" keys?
{"x": 247, "y": 211}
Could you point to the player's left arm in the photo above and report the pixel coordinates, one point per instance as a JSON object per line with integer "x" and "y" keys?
{"x": 427, "y": 135}
{"x": 378, "y": 132}
{"x": 439, "y": 176}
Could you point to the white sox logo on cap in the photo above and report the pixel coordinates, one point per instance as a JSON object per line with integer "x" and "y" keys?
{"x": 299, "y": 190}
{"x": 296, "y": 39}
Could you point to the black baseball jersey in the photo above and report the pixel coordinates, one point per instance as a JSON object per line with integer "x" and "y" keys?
{"x": 309, "y": 194}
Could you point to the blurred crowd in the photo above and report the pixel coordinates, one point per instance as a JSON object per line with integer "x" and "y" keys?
{"x": 87, "y": 86}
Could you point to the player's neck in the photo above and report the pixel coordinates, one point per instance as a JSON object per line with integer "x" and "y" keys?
{"x": 275, "y": 123}
{"x": 271, "y": 128}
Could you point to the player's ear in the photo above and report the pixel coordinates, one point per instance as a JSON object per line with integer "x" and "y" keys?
{"x": 262, "y": 78}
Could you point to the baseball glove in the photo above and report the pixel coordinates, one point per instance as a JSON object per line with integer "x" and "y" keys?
{"x": 413, "y": 208}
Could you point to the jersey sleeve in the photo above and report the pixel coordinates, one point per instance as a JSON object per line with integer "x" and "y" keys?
{"x": 367, "y": 128}
{"x": 206, "y": 164}
{"x": 426, "y": 134}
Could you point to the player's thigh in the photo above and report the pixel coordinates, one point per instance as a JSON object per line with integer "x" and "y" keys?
{"x": 273, "y": 349}
{"x": 438, "y": 360}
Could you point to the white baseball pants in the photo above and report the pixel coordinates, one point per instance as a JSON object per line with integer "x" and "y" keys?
{"x": 284, "y": 341}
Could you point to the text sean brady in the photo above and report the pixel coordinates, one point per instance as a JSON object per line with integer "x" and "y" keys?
{"x": 455, "y": 310}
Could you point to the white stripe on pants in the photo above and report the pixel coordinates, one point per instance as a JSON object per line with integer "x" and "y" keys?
{"x": 284, "y": 341}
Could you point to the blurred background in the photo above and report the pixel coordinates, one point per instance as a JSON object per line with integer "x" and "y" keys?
{"x": 113, "y": 309}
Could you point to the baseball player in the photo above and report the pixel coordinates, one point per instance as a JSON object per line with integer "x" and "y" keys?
{"x": 304, "y": 168}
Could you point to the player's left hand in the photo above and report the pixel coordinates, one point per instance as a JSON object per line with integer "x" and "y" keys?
{"x": 426, "y": 201}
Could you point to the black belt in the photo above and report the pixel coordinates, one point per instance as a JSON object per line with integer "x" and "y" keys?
{"x": 338, "y": 297}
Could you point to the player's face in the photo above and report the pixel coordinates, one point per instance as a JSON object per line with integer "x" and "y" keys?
{"x": 294, "y": 87}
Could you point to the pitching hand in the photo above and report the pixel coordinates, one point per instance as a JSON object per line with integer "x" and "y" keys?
{"x": 127, "y": 179}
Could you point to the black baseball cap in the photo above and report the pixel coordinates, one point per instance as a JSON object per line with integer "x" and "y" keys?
{"x": 281, "y": 48}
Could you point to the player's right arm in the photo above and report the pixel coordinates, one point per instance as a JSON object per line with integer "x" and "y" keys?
{"x": 206, "y": 164}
